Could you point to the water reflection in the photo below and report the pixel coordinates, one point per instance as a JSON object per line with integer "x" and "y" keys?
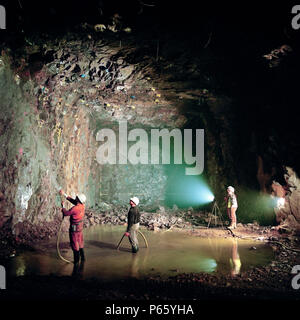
{"x": 20, "y": 266}
{"x": 139, "y": 263}
{"x": 226, "y": 255}
{"x": 134, "y": 270}
{"x": 235, "y": 261}
{"x": 78, "y": 269}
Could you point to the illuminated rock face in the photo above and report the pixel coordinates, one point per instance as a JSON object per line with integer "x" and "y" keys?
{"x": 288, "y": 216}
{"x": 51, "y": 110}
{"x": 57, "y": 96}
{"x": 54, "y": 100}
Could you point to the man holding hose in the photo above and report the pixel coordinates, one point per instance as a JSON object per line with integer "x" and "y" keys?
{"x": 76, "y": 215}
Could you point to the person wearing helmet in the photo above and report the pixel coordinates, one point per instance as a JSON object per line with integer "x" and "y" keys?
{"x": 231, "y": 205}
{"x": 76, "y": 215}
{"x": 133, "y": 223}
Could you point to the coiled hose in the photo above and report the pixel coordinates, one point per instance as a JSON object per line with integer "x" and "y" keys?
{"x": 139, "y": 232}
{"x": 57, "y": 244}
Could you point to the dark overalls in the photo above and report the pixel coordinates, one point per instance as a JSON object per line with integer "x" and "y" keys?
{"x": 133, "y": 227}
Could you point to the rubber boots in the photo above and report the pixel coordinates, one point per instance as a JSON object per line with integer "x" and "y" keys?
{"x": 82, "y": 256}
{"x": 135, "y": 249}
{"x": 76, "y": 256}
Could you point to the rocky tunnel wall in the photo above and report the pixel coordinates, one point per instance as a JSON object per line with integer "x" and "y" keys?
{"x": 43, "y": 149}
{"x": 58, "y": 93}
{"x": 50, "y": 115}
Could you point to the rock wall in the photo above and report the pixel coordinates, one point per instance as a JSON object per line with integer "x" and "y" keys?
{"x": 54, "y": 101}
{"x": 288, "y": 214}
{"x": 56, "y": 96}
{"x": 35, "y": 160}
{"x": 24, "y": 154}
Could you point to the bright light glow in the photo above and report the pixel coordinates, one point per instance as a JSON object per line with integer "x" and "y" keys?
{"x": 212, "y": 263}
{"x": 280, "y": 203}
{"x": 207, "y": 265}
{"x": 186, "y": 191}
{"x": 211, "y": 198}
{"x": 205, "y": 195}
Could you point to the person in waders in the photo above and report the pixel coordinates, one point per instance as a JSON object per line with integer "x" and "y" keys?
{"x": 76, "y": 214}
{"x": 133, "y": 223}
{"x": 232, "y": 205}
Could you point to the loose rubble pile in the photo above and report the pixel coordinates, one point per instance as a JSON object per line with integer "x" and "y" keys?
{"x": 161, "y": 219}
{"x": 189, "y": 220}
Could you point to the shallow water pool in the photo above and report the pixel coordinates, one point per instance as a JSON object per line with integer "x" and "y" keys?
{"x": 169, "y": 253}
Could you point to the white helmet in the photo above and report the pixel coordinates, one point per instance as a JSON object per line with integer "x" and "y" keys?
{"x": 81, "y": 197}
{"x": 230, "y": 188}
{"x": 135, "y": 200}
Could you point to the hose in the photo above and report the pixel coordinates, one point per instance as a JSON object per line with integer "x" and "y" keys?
{"x": 57, "y": 244}
{"x": 139, "y": 232}
{"x": 146, "y": 242}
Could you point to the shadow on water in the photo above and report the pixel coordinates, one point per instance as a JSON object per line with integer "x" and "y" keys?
{"x": 106, "y": 245}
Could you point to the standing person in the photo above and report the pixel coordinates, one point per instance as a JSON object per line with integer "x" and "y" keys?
{"x": 76, "y": 214}
{"x": 133, "y": 223}
{"x": 231, "y": 205}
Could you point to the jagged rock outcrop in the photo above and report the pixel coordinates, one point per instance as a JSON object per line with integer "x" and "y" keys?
{"x": 54, "y": 99}
{"x": 288, "y": 214}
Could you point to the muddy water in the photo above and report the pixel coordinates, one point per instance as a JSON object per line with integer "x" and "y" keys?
{"x": 169, "y": 253}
